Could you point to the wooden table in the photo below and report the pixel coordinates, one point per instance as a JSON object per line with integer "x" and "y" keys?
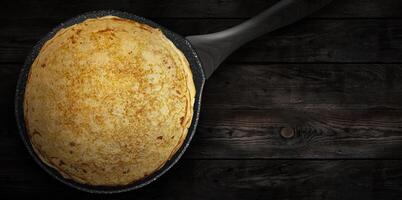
{"x": 332, "y": 83}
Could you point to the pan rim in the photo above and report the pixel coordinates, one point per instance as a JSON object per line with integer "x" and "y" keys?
{"x": 198, "y": 78}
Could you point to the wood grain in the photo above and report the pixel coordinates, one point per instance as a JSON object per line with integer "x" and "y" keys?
{"x": 231, "y": 179}
{"x": 320, "y": 133}
{"x": 308, "y": 41}
{"x": 37, "y": 9}
{"x": 304, "y": 86}
{"x": 336, "y": 110}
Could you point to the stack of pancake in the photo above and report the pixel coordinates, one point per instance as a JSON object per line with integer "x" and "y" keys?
{"x": 108, "y": 101}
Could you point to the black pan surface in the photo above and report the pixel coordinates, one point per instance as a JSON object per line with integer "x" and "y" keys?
{"x": 179, "y": 41}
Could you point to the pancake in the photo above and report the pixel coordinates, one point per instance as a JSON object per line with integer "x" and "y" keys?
{"x": 108, "y": 101}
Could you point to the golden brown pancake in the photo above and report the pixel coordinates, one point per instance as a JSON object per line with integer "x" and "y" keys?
{"x": 108, "y": 101}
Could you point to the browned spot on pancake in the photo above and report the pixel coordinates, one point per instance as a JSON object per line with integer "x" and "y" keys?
{"x": 105, "y": 30}
{"x": 61, "y": 162}
{"x": 160, "y": 137}
{"x": 158, "y": 52}
{"x": 121, "y": 19}
{"x": 78, "y": 31}
{"x": 71, "y": 152}
{"x": 182, "y": 120}
{"x": 145, "y": 27}
{"x": 35, "y": 132}
{"x": 43, "y": 65}
{"x": 72, "y": 38}
{"x": 98, "y": 118}
{"x": 72, "y": 144}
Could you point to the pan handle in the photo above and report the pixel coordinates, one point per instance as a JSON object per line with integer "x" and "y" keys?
{"x": 213, "y": 48}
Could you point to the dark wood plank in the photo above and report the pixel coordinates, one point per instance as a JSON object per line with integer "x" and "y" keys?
{"x": 361, "y": 9}
{"x": 350, "y": 41}
{"x": 319, "y": 133}
{"x": 336, "y": 110}
{"x": 193, "y": 8}
{"x": 305, "y": 86}
{"x": 230, "y": 179}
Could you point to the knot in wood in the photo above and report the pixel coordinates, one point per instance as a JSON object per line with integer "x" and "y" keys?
{"x": 287, "y": 132}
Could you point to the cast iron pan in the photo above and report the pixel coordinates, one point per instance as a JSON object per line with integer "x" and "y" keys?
{"x": 204, "y": 53}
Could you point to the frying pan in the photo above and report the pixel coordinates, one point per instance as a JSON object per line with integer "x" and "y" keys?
{"x": 204, "y": 53}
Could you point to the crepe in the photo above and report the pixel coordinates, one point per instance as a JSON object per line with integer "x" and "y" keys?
{"x": 108, "y": 101}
